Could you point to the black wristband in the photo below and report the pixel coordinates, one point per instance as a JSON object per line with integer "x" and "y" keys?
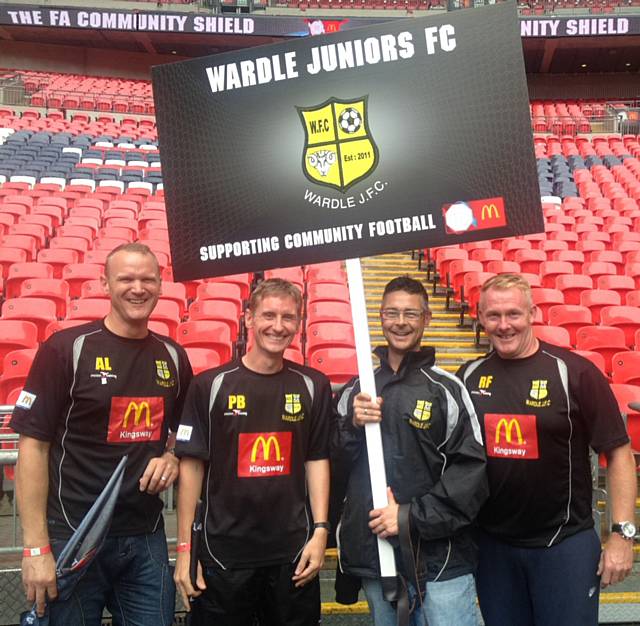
{"x": 324, "y": 525}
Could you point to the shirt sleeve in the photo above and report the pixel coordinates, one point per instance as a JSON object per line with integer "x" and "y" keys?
{"x": 193, "y": 432}
{"x": 45, "y": 396}
{"x": 321, "y": 422}
{"x": 600, "y": 410}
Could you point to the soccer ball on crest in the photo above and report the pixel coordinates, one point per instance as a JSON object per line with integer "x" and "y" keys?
{"x": 350, "y": 120}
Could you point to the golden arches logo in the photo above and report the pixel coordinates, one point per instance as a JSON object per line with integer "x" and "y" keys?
{"x": 509, "y": 427}
{"x": 266, "y": 448}
{"x": 489, "y": 210}
{"x": 137, "y": 410}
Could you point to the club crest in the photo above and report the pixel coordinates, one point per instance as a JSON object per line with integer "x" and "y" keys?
{"x": 339, "y": 150}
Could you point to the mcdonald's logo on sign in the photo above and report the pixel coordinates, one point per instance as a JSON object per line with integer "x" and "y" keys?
{"x": 511, "y": 436}
{"x": 135, "y": 419}
{"x": 471, "y": 215}
{"x": 264, "y": 454}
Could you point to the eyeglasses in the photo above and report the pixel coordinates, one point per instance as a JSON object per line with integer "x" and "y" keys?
{"x": 411, "y": 315}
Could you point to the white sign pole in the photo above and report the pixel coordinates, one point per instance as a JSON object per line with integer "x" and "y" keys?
{"x": 368, "y": 385}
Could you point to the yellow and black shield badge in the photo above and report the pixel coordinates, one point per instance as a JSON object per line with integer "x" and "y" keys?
{"x": 339, "y": 150}
{"x": 162, "y": 370}
{"x": 538, "y": 389}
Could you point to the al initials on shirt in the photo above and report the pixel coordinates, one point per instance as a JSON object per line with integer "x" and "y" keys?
{"x": 511, "y": 436}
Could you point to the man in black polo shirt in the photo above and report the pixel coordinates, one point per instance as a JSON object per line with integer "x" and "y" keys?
{"x": 542, "y": 407}
{"x": 253, "y": 440}
{"x": 96, "y": 392}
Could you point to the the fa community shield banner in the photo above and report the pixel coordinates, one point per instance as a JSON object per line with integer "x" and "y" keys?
{"x": 402, "y": 135}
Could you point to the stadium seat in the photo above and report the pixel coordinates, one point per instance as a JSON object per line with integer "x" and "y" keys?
{"x": 79, "y": 244}
{"x": 595, "y": 357}
{"x": 317, "y": 292}
{"x": 294, "y": 355}
{"x": 209, "y": 334}
{"x": 472, "y": 285}
{"x": 9, "y": 256}
{"x": 202, "y": 359}
{"x": 19, "y": 272}
{"x": 625, "y": 317}
{"x": 572, "y": 285}
{"x": 609, "y": 256}
{"x": 457, "y": 271}
{"x": 632, "y": 298}
{"x": 328, "y": 312}
{"x": 620, "y": 284}
{"x": 575, "y": 257}
{"x": 40, "y": 311}
{"x": 16, "y": 335}
{"x": 545, "y": 298}
{"x": 596, "y": 269}
{"x": 626, "y": 368}
{"x": 510, "y": 246}
{"x": 595, "y": 299}
{"x": 220, "y": 310}
{"x": 54, "y": 289}
{"x": 550, "y": 269}
{"x": 22, "y": 242}
{"x": 76, "y": 273}
{"x": 328, "y": 335}
{"x": 88, "y": 309}
{"x": 626, "y": 394}
{"x": 484, "y": 255}
{"x": 502, "y": 267}
{"x": 331, "y": 272}
{"x": 294, "y": 275}
{"x": 557, "y": 335}
{"x": 571, "y": 317}
{"x": 93, "y": 289}
{"x": 16, "y": 366}
{"x": 443, "y": 259}
{"x": 339, "y": 364}
{"x": 212, "y": 290}
{"x": 167, "y": 311}
{"x": 175, "y": 292}
{"x": 607, "y": 340}
{"x": 529, "y": 260}
{"x": 242, "y": 280}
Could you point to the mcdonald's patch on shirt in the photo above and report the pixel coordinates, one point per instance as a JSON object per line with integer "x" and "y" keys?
{"x": 135, "y": 419}
{"x": 511, "y": 436}
{"x": 264, "y": 454}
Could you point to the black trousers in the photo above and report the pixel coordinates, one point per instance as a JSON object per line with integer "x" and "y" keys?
{"x": 263, "y": 595}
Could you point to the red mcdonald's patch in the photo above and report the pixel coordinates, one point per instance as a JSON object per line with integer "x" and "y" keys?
{"x": 511, "y": 436}
{"x": 264, "y": 454}
{"x": 135, "y": 419}
{"x": 486, "y": 213}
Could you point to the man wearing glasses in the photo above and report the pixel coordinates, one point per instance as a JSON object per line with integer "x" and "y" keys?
{"x": 435, "y": 466}
{"x": 253, "y": 443}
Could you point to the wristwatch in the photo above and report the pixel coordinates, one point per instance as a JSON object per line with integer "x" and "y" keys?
{"x": 627, "y": 530}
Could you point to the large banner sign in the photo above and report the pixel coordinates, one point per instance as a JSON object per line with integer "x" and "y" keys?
{"x": 392, "y": 137}
{"x": 274, "y": 25}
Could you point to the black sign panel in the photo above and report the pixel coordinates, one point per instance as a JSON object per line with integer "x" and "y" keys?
{"x": 402, "y": 135}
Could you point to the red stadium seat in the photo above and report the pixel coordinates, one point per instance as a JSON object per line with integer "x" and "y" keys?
{"x": 503, "y": 267}
{"x": 620, "y": 284}
{"x": 626, "y": 368}
{"x": 294, "y": 275}
{"x": 550, "y": 269}
{"x": 484, "y": 255}
{"x": 212, "y": 290}
{"x": 609, "y": 256}
{"x": 79, "y": 244}
{"x": 596, "y": 269}
{"x": 167, "y": 311}
{"x": 443, "y": 259}
{"x": 209, "y": 334}
{"x": 177, "y": 293}
{"x": 595, "y": 299}
{"x": 595, "y": 357}
{"x": 530, "y": 260}
{"x": 625, "y": 317}
{"x": 76, "y": 274}
{"x": 294, "y": 355}
{"x": 54, "y": 327}
{"x": 54, "y": 289}
{"x": 37, "y": 310}
{"x": 16, "y": 366}
{"x": 339, "y": 364}
{"x": 571, "y": 317}
{"x": 202, "y": 359}
{"x": 606, "y": 340}
{"x": 58, "y": 259}
{"x": 510, "y": 246}
{"x": 472, "y": 285}
{"x": 632, "y": 298}
{"x": 9, "y": 256}
{"x": 457, "y": 271}
{"x": 19, "y": 272}
{"x": 575, "y": 257}
{"x": 329, "y": 312}
{"x": 242, "y": 280}
{"x": 220, "y": 310}
{"x": 331, "y": 272}
{"x": 88, "y": 309}
{"x": 545, "y": 298}
{"x": 22, "y": 242}
{"x": 572, "y": 285}
{"x": 328, "y": 335}
{"x": 557, "y": 335}
{"x": 626, "y": 394}
{"x": 16, "y": 335}
{"x": 317, "y": 292}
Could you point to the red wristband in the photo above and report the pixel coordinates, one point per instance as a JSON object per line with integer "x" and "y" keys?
{"x": 183, "y": 547}
{"x": 36, "y": 551}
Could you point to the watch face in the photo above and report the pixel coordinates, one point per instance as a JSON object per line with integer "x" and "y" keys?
{"x": 628, "y": 530}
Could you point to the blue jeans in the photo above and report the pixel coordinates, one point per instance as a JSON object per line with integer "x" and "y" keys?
{"x": 130, "y": 577}
{"x": 444, "y": 603}
{"x": 556, "y": 586}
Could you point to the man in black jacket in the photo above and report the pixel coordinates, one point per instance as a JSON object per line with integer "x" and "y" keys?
{"x": 435, "y": 467}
